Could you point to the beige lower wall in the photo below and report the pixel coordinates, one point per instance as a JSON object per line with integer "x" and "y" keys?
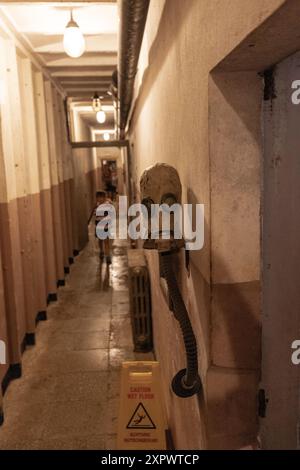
{"x": 48, "y": 242}
{"x": 12, "y": 279}
{"x": 3, "y": 326}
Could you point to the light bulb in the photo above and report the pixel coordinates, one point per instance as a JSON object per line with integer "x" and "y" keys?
{"x": 101, "y": 117}
{"x": 106, "y": 136}
{"x": 74, "y": 43}
{"x": 96, "y": 103}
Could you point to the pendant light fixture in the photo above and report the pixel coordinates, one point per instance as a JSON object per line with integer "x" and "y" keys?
{"x": 74, "y": 43}
{"x": 96, "y": 104}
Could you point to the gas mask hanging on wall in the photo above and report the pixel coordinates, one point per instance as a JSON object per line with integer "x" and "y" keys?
{"x": 160, "y": 188}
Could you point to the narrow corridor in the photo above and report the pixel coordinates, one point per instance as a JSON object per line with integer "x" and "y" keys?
{"x": 68, "y": 395}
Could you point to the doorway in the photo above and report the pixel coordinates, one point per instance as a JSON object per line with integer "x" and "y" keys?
{"x": 110, "y": 177}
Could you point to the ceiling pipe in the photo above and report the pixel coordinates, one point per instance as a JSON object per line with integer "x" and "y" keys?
{"x": 133, "y": 15}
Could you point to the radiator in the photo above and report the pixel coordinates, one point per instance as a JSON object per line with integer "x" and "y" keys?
{"x": 140, "y": 301}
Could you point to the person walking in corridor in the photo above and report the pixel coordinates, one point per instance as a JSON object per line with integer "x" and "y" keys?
{"x": 104, "y": 245}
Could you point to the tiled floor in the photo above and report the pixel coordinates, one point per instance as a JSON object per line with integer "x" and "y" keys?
{"x": 68, "y": 395}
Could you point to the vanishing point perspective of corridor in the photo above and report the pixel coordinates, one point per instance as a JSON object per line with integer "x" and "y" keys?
{"x": 149, "y": 227}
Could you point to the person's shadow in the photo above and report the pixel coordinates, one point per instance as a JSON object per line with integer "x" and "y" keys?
{"x": 104, "y": 275}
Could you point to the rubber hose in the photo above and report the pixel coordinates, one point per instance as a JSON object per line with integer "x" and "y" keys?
{"x": 181, "y": 314}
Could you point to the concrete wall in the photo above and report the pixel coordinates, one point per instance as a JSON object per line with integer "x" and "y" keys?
{"x": 208, "y": 127}
{"x": 281, "y": 259}
{"x": 42, "y": 185}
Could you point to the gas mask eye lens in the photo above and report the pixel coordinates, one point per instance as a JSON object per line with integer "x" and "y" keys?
{"x": 168, "y": 199}
{"x": 147, "y": 202}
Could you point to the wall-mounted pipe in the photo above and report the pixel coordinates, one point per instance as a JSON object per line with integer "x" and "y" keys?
{"x": 133, "y": 15}
{"x": 186, "y": 382}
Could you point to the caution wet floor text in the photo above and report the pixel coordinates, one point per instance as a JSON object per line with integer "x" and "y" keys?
{"x": 141, "y": 419}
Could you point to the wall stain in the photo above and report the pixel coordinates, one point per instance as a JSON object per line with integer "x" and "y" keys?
{"x": 269, "y": 88}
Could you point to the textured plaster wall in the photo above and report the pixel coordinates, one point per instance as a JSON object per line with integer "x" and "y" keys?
{"x": 281, "y": 260}
{"x": 184, "y": 41}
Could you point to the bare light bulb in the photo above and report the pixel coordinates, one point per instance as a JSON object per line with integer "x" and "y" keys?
{"x": 74, "y": 43}
{"x": 96, "y": 103}
{"x": 101, "y": 117}
{"x": 106, "y": 136}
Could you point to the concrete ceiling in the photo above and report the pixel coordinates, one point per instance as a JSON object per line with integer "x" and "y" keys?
{"x": 42, "y": 27}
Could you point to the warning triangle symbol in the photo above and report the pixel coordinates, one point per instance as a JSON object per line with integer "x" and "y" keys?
{"x": 140, "y": 419}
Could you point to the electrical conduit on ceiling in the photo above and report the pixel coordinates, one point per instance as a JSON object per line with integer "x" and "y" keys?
{"x": 133, "y": 15}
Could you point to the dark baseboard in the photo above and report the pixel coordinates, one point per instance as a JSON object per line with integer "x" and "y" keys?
{"x": 41, "y": 316}
{"x": 30, "y": 339}
{"x": 67, "y": 270}
{"x": 51, "y": 298}
{"x": 60, "y": 283}
{"x": 71, "y": 260}
{"x": 5, "y": 381}
{"x": 14, "y": 372}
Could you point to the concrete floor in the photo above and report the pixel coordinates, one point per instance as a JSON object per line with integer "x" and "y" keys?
{"x": 68, "y": 396}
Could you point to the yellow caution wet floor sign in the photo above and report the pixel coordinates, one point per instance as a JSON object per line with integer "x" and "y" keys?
{"x": 141, "y": 422}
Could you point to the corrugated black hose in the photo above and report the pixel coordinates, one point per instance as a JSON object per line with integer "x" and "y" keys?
{"x": 187, "y": 381}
